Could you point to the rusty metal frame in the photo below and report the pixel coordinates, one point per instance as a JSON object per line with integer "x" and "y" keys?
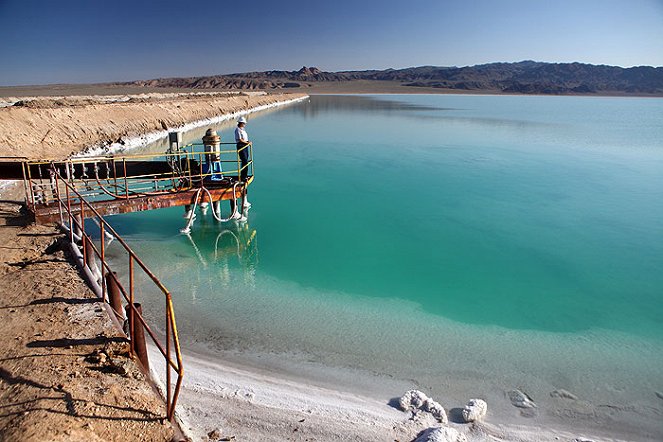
{"x": 124, "y": 191}
{"x": 76, "y": 221}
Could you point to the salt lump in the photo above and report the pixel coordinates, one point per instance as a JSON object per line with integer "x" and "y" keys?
{"x": 414, "y": 400}
{"x": 527, "y": 406}
{"x": 474, "y": 410}
{"x": 520, "y": 399}
{"x": 436, "y": 410}
{"x": 444, "y": 434}
{"x": 563, "y": 394}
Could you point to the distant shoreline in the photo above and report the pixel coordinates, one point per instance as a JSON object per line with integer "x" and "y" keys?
{"x": 354, "y": 87}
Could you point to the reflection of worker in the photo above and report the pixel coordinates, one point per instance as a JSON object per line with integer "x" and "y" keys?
{"x": 242, "y": 140}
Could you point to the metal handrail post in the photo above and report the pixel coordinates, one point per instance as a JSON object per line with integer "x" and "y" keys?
{"x": 239, "y": 168}
{"x": 131, "y": 304}
{"x": 32, "y": 191}
{"x": 71, "y": 217}
{"x": 253, "y": 172}
{"x": 168, "y": 400}
{"x": 188, "y": 167}
{"x": 83, "y": 232}
{"x": 200, "y": 164}
{"x": 126, "y": 182}
{"x": 114, "y": 175}
{"x": 57, "y": 190}
{"x": 102, "y": 233}
{"x": 25, "y": 181}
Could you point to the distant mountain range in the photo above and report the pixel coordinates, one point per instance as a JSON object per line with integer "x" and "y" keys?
{"x": 525, "y": 77}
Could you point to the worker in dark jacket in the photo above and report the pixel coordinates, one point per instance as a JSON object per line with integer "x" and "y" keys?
{"x": 242, "y": 140}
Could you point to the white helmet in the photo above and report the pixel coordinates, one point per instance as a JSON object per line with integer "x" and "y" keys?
{"x": 241, "y": 120}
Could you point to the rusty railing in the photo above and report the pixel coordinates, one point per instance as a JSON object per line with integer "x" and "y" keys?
{"x": 75, "y": 223}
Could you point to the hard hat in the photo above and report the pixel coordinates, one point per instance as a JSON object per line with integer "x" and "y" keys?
{"x": 241, "y": 120}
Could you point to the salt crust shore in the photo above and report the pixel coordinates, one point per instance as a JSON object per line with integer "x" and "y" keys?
{"x": 253, "y": 404}
{"x": 142, "y": 140}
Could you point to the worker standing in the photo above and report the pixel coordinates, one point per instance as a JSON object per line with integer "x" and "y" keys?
{"x": 242, "y": 140}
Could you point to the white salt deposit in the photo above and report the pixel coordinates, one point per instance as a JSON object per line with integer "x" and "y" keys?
{"x": 475, "y": 410}
{"x": 142, "y": 140}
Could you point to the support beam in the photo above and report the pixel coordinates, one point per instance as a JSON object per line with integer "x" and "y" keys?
{"x": 50, "y": 213}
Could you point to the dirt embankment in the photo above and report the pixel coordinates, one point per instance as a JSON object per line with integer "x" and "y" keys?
{"x": 64, "y": 369}
{"x": 55, "y": 128}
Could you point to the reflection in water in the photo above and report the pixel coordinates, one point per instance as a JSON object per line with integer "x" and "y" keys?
{"x": 323, "y": 104}
{"x": 372, "y": 105}
{"x": 319, "y": 105}
{"x": 236, "y": 244}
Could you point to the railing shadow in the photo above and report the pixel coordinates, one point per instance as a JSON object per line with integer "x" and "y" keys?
{"x": 69, "y": 342}
{"x": 70, "y": 402}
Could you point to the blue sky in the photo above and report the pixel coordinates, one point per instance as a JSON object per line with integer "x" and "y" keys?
{"x": 85, "y": 41}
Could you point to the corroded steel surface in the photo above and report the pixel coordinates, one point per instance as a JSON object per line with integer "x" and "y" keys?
{"x": 51, "y": 212}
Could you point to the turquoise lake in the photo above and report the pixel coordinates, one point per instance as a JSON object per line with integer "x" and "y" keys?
{"x": 520, "y": 237}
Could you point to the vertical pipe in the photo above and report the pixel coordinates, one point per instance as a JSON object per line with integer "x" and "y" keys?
{"x": 114, "y": 296}
{"x": 76, "y": 228}
{"x": 243, "y": 194}
{"x": 90, "y": 259}
{"x": 138, "y": 346}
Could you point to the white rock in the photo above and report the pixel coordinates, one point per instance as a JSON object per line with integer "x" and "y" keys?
{"x": 443, "y": 434}
{"x": 436, "y": 410}
{"x": 412, "y": 400}
{"x": 475, "y": 410}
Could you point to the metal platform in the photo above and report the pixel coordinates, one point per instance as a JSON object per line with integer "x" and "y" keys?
{"x": 131, "y": 183}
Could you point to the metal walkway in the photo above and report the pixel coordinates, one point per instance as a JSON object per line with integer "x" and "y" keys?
{"x": 130, "y": 183}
